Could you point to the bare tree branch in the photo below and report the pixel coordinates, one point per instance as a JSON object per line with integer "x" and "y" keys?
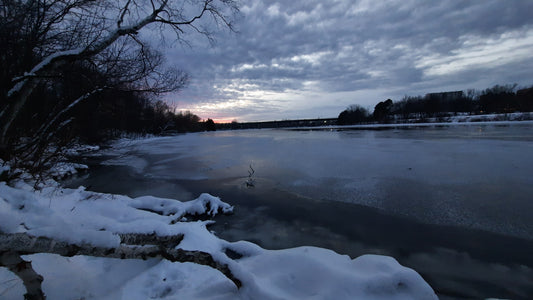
{"x": 62, "y": 24}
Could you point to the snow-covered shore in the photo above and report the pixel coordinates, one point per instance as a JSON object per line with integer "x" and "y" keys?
{"x": 78, "y": 216}
{"x": 458, "y": 120}
{"x": 82, "y": 217}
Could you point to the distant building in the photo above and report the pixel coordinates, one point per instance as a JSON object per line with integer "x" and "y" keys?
{"x": 525, "y": 99}
{"x": 525, "y": 92}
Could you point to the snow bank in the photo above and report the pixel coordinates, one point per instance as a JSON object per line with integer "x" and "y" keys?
{"x": 453, "y": 121}
{"x": 65, "y": 169}
{"x": 3, "y": 167}
{"x": 56, "y": 169}
{"x": 79, "y": 216}
{"x": 299, "y": 273}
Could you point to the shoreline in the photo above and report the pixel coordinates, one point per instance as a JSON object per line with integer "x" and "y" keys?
{"x": 457, "y": 262}
{"x": 411, "y": 125}
{"x": 276, "y": 219}
{"x": 396, "y": 120}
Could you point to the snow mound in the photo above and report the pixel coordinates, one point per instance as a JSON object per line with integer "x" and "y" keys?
{"x": 316, "y": 273}
{"x": 83, "y": 217}
{"x": 298, "y": 273}
{"x": 4, "y": 167}
{"x": 78, "y": 216}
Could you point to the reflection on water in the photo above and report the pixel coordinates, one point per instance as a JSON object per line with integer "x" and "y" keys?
{"x": 476, "y": 176}
{"x": 504, "y": 131}
{"x": 421, "y": 195}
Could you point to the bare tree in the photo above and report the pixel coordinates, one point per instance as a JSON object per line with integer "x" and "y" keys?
{"x": 43, "y": 40}
{"x": 41, "y": 37}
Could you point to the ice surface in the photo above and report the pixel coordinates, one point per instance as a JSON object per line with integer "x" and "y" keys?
{"x": 80, "y": 216}
{"x": 132, "y": 161}
{"x": 475, "y": 175}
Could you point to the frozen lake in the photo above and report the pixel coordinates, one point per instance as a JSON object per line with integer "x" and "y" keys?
{"x": 453, "y": 202}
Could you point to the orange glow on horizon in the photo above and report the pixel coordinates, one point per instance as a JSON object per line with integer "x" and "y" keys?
{"x": 223, "y": 120}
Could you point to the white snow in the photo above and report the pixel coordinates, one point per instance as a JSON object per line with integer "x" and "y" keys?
{"x": 4, "y": 167}
{"x": 65, "y": 169}
{"x": 80, "y": 216}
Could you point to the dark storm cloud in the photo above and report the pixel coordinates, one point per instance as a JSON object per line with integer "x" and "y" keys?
{"x": 286, "y": 51}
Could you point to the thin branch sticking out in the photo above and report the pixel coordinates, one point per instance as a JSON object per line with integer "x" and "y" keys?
{"x": 251, "y": 181}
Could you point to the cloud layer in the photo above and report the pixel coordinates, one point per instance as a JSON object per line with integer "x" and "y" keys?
{"x": 310, "y": 58}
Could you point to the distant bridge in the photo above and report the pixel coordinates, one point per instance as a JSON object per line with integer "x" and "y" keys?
{"x": 279, "y": 124}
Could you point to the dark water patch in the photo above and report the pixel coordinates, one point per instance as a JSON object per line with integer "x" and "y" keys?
{"x": 126, "y": 181}
{"x": 316, "y": 188}
{"x": 456, "y": 262}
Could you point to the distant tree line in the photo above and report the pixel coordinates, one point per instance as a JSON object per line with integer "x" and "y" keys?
{"x": 497, "y": 99}
{"x": 131, "y": 114}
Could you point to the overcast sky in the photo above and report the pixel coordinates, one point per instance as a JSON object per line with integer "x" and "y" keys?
{"x": 307, "y": 59}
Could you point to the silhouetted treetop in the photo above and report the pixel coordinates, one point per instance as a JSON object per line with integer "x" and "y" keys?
{"x": 497, "y": 99}
{"x": 354, "y": 114}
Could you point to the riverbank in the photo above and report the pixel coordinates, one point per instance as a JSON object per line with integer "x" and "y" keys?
{"x": 458, "y": 263}
{"x": 443, "y": 118}
{"x": 451, "y": 202}
{"x": 77, "y": 244}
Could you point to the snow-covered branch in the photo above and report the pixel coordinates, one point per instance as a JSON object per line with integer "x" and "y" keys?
{"x": 85, "y": 223}
{"x": 59, "y": 45}
{"x": 22, "y": 244}
{"x": 38, "y": 70}
{"x": 172, "y": 16}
